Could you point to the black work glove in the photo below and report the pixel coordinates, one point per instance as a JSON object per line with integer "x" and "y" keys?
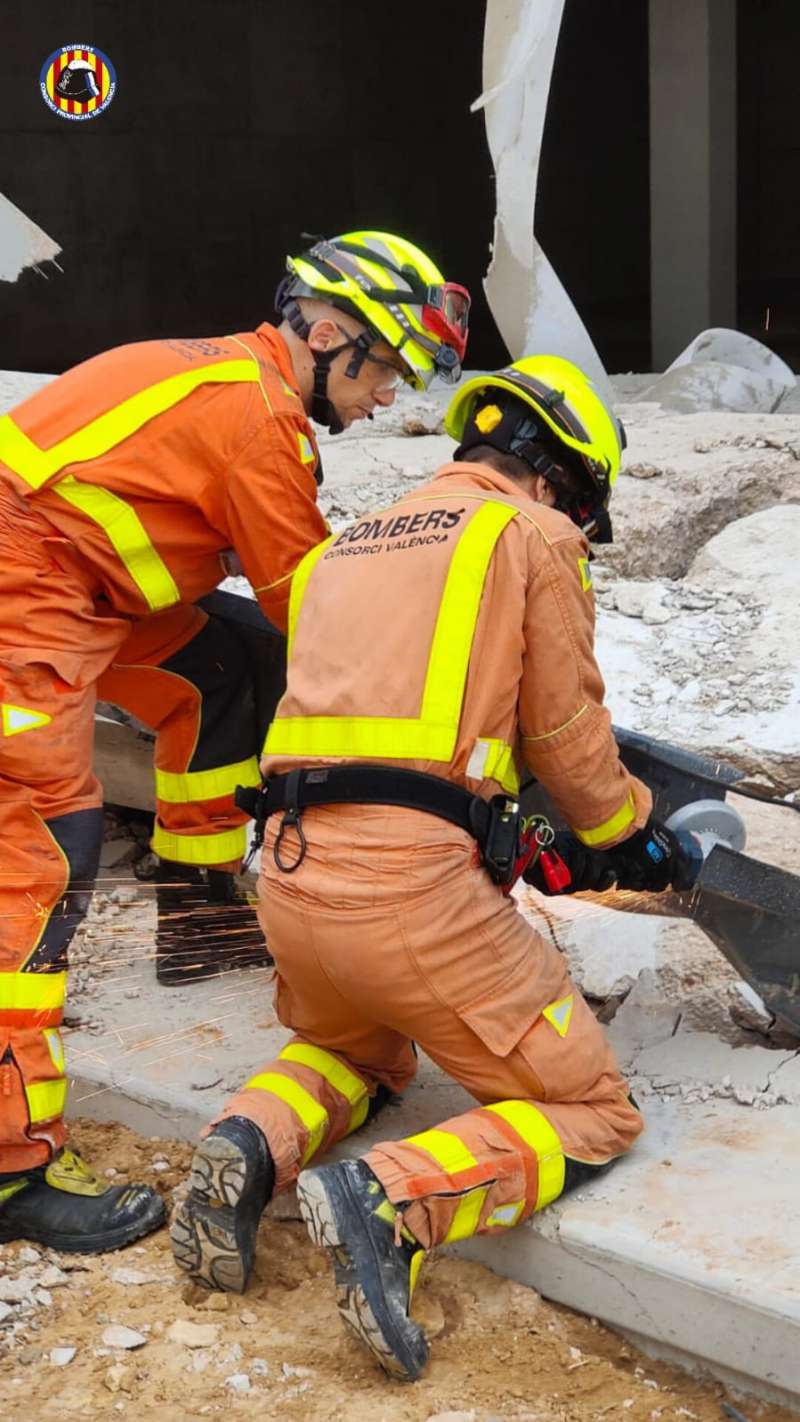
{"x": 652, "y": 859}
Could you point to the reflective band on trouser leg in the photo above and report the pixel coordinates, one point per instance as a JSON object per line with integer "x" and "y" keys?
{"x": 312, "y": 1116}
{"x": 128, "y": 537}
{"x": 36, "y": 465}
{"x": 432, "y": 735}
{"x": 609, "y": 828}
{"x": 337, "y": 1075}
{"x": 447, "y": 1150}
{"x": 467, "y": 1215}
{"x": 536, "y": 1132}
{"x": 191, "y": 786}
{"x": 200, "y": 848}
{"x": 46, "y": 1100}
{"x": 452, "y": 1155}
{"x": 36, "y": 995}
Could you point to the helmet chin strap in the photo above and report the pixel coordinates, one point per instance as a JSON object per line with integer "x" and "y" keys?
{"x": 323, "y": 411}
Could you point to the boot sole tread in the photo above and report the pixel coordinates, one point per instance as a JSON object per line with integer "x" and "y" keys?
{"x": 355, "y": 1310}
{"x": 203, "y": 1229}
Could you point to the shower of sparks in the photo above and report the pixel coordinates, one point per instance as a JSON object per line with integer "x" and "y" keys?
{"x": 110, "y": 954}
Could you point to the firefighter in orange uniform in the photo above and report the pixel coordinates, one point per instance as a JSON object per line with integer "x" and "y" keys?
{"x": 436, "y": 649}
{"x": 123, "y": 486}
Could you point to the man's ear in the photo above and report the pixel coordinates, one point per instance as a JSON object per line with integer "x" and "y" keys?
{"x": 324, "y": 334}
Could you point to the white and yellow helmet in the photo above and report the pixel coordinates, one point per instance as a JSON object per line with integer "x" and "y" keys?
{"x": 569, "y": 424}
{"x": 392, "y": 288}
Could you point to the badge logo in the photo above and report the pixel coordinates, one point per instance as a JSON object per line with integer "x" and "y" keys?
{"x": 78, "y": 82}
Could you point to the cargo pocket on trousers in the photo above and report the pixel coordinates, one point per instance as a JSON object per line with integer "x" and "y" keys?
{"x": 504, "y": 1013}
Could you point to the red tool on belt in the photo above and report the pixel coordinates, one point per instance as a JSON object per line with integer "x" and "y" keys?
{"x": 535, "y": 846}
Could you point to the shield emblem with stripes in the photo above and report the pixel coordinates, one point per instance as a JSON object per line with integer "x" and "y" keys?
{"x": 78, "y": 82}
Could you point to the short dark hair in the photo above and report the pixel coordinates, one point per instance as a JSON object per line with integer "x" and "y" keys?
{"x": 507, "y": 464}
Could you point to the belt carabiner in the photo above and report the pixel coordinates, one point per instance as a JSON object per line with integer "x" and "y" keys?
{"x": 291, "y": 818}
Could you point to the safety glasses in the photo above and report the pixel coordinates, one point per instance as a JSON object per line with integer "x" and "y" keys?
{"x": 391, "y": 376}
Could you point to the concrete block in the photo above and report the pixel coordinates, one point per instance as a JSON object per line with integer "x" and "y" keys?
{"x": 690, "y": 1244}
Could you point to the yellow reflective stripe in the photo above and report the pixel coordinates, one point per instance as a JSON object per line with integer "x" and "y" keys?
{"x": 46, "y": 1099}
{"x": 413, "y": 1271}
{"x": 465, "y": 1220}
{"x": 350, "y": 1086}
{"x": 128, "y": 537}
{"x": 200, "y": 848}
{"x": 609, "y": 828}
{"x": 191, "y": 785}
{"x": 458, "y": 614}
{"x": 501, "y": 766}
{"x": 380, "y": 737}
{"x": 447, "y": 1150}
{"x": 22, "y": 992}
{"x": 302, "y": 573}
{"x": 6, "y": 1191}
{"x": 313, "y": 1116}
{"x": 36, "y": 465}
{"x": 432, "y": 735}
{"x": 540, "y": 1137}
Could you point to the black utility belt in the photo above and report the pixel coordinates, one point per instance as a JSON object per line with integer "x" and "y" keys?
{"x": 494, "y": 824}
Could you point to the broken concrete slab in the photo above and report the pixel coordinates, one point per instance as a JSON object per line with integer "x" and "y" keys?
{"x": 690, "y": 1244}
{"x": 711, "y": 663}
{"x": 722, "y": 370}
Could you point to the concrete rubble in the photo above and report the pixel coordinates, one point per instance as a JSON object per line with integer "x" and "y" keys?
{"x": 722, "y": 370}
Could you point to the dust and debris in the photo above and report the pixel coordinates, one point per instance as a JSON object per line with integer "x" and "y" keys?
{"x": 502, "y": 1354}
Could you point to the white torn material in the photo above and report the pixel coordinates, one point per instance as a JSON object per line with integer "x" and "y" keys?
{"x": 22, "y": 243}
{"x": 527, "y": 299}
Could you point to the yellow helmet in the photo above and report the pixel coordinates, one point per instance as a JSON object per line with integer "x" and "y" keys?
{"x": 571, "y": 427}
{"x": 392, "y": 288}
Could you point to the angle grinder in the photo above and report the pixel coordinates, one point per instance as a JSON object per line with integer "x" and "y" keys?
{"x": 700, "y": 826}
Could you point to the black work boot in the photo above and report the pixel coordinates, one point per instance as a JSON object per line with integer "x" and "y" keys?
{"x": 65, "y": 1206}
{"x": 205, "y": 925}
{"x": 347, "y": 1212}
{"x": 214, "y": 1229}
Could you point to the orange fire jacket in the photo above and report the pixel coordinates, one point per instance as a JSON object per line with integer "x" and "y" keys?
{"x": 152, "y": 460}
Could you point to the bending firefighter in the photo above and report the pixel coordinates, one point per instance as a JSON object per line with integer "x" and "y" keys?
{"x": 129, "y": 487}
{"x": 437, "y": 650}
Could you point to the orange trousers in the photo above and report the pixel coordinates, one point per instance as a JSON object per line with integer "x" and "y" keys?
{"x": 182, "y": 674}
{"x": 391, "y": 933}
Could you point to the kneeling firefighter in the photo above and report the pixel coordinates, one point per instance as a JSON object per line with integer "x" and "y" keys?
{"x": 456, "y": 630}
{"x": 128, "y": 486}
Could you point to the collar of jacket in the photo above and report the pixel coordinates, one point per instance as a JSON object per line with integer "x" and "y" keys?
{"x": 277, "y": 351}
{"x": 480, "y": 476}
